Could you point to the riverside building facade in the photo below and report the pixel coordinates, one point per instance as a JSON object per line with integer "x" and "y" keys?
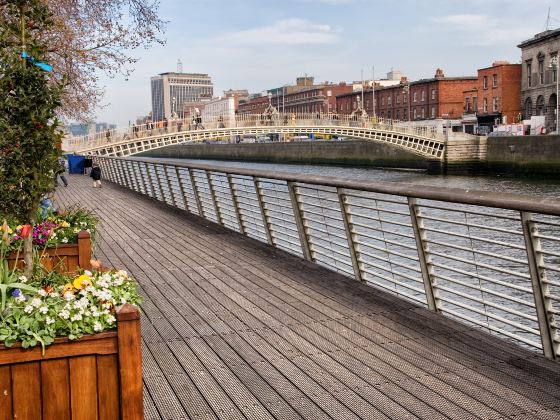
{"x": 171, "y": 91}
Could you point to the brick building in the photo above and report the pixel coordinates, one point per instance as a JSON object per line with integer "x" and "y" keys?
{"x": 439, "y": 97}
{"x": 539, "y": 77}
{"x": 304, "y": 99}
{"x": 498, "y": 95}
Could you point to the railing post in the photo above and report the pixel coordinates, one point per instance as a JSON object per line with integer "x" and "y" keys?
{"x": 150, "y": 181}
{"x": 233, "y": 191}
{"x": 183, "y": 194}
{"x": 145, "y": 178}
{"x": 353, "y": 248}
{"x": 264, "y": 215}
{"x": 541, "y": 291}
{"x": 299, "y": 221}
{"x": 196, "y": 196}
{"x": 214, "y": 198}
{"x": 158, "y": 179}
{"x": 130, "y": 363}
{"x": 428, "y": 274}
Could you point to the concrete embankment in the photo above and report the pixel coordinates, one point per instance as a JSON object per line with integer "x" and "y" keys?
{"x": 357, "y": 153}
{"x": 524, "y": 155}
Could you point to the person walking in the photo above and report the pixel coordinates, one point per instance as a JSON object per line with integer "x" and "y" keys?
{"x": 108, "y": 135}
{"x": 96, "y": 176}
{"x": 62, "y": 167}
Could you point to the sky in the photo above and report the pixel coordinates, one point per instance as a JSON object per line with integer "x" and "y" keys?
{"x": 262, "y": 44}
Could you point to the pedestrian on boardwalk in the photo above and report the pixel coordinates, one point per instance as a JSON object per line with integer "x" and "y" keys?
{"x": 96, "y": 175}
{"x": 61, "y": 169}
{"x": 108, "y": 135}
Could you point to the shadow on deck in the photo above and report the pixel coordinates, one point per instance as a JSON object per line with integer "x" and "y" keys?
{"x": 234, "y": 329}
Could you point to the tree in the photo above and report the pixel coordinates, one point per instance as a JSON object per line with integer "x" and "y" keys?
{"x": 28, "y": 124}
{"x": 89, "y": 36}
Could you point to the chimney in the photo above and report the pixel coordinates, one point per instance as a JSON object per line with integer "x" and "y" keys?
{"x": 439, "y": 74}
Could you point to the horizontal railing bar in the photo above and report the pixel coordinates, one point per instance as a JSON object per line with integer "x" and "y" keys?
{"x": 471, "y": 212}
{"x": 314, "y": 245}
{"x": 481, "y": 264}
{"x": 391, "y": 270}
{"x": 474, "y": 238}
{"x": 392, "y": 290}
{"x": 376, "y": 229}
{"x": 386, "y": 221}
{"x": 483, "y": 277}
{"x": 493, "y": 328}
{"x": 477, "y": 251}
{"x": 393, "y": 262}
{"x": 491, "y": 315}
{"x": 388, "y": 241}
{"x": 473, "y": 225}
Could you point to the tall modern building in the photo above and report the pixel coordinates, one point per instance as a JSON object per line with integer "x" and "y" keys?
{"x": 171, "y": 90}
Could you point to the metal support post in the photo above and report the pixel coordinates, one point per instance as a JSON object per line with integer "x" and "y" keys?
{"x": 428, "y": 275}
{"x": 214, "y": 198}
{"x": 150, "y": 184}
{"x": 170, "y": 186}
{"x": 539, "y": 281}
{"x": 264, "y": 215}
{"x": 233, "y": 191}
{"x": 158, "y": 180}
{"x": 352, "y": 247}
{"x": 196, "y": 196}
{"x": 303, "y": 238}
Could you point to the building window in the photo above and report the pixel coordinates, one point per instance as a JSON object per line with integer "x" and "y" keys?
{"x": 433, "y": 94}
{"x": 389, "y": 100}
{"x": 414, "y": 97}
{"x": 423, "y": 96}
{"x": 398, "y": 99}
{"x": 414, "y": 113}
{"x": 485, "y": 105}
{"x": 475, "y": 104}
{"x": 423, "y": 112}
{"x": 389, "y": 114}
{"x": 529, "y": 71}
{"x": 485, "y": 82}
{"x": 468, "y": 104}
{"x": 554, "y": 68}
{"x": 541, "y": 71}
{"x": 398, "y": 114}
{"x": 383, "y": 100}
{"x": 433, "y": 114}
{"x": 494, "y": 80}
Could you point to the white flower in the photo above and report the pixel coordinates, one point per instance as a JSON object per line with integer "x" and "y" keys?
{"x": 64, "y": 314}
{"x": 22, "y": 279}
{"x": 68, "y": 296}
{"x": 36, "y": 302}
{"x": 28, "y": 309}
{"x": 87, "y": 273}
{"x": 97, "y": 326}
{"x": 122, "y": 273}
{"x": 83, "y": 223}
{"x": 64, "y": 240}
{"x": 53, "y": 294}
{"x": 77, "y": 317}
{"x": 111, "y": 319}
{"x": 41, "y": 292}
{"x": 44, "y": 310}
{"x": 76, "y": 230}
{"x": 20, "y": 298}
{"x": 49, "y": 320}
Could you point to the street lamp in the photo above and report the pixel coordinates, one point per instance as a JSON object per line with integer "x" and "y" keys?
{"x": 554, "y": 61}
{"x": 173, "y": 100}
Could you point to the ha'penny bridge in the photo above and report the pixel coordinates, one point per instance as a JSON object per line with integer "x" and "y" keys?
{"x": 290, "y": 296}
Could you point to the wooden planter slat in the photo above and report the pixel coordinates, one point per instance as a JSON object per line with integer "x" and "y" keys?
{"x": 97, "y": 377}
{"x": 63, "y": 258}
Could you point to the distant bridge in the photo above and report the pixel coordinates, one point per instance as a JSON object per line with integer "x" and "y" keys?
{"x": 424, "y": 141}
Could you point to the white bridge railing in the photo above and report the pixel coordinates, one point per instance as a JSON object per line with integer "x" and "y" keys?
{"x": 118, "y": 136}
{"x": 491, "y": 260}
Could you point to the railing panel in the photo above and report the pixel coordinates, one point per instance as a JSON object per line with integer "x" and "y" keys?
{"x": 488, "y": 260}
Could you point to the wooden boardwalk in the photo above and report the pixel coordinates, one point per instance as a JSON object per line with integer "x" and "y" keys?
{"x": 234, "y": 329}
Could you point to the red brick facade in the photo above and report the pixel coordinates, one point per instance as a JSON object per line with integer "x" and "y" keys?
{"x": 499, "y": 93}
{"x": 440, "y": 97}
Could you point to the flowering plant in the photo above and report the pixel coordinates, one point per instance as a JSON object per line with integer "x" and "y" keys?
{"x": 65, "y": 306}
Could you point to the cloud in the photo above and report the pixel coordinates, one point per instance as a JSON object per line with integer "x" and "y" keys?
{"x": 282, "y": 32}
{"x": 481, "y": 30}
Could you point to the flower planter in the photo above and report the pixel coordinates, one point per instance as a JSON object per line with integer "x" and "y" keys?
{"x": 96, "y": 377}
{"x": 63, "y": 258}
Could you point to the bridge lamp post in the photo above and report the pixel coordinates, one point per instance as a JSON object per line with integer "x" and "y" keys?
{"x": 556, "y": 62}
{"x": 406, "y": 91}
{"x": 173, "y": 100}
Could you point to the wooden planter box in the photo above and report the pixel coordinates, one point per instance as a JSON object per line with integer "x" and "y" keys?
{"x": 63, "y": 258}
{"x": 95, "y": 377}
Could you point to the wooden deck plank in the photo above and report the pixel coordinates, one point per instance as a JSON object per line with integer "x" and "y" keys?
{"x": 236, "y": 329}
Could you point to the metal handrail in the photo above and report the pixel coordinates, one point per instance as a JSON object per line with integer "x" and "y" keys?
{"x": 503, "y": 280}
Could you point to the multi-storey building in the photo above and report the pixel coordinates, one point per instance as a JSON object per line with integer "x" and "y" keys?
{"x": 171, "y": 91}
{"x": 253, "y": 105}
{"x": 498, "y": 96}
{"x": 539, "y": 76}
{"x": 439, "y": 97}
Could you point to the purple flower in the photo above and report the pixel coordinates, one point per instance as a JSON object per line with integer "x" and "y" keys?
{"x": 16, "y": 293}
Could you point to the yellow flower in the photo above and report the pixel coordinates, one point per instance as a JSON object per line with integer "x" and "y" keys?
{"x": 82, "y": 282}
{"x": 64, "y": 224}
{"x": 68, "y": 287}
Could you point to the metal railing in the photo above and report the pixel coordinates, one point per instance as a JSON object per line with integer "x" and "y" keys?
{"x": 161, "y": 128}
{"x": 491, "y": 260}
